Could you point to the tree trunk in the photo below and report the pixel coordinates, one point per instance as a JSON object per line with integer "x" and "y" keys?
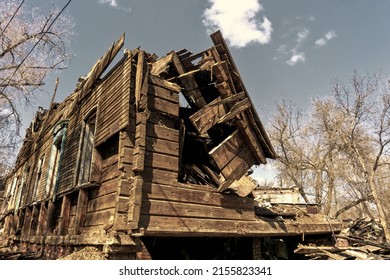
{"x": 329, "y": 200}
{"x": 349, "y": 206}
{"x": 382, "y": 215}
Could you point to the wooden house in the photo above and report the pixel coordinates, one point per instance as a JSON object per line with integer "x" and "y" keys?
{"x": 122, "y": 166}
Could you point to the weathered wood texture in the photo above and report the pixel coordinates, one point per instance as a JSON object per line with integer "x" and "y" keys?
{"x": 194, "y": 204}
{"x": 183, "y": 226}
{"x": 114, "y": 104}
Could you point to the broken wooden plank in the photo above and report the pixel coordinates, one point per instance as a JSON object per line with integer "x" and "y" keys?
{"x": 192, "y": 92}
{"x": 236, "y": 109}
{"x": 227, "y": 150}
{"x": 99, "y": 67}
{"x": 161, "y": 65}
{"x": 164, "y": 84}
{"x": 207, "y": 117}
{"x": 239, "y": 165}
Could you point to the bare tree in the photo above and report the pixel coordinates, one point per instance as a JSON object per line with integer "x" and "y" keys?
{"x": 33, "y": 43}
{"x": 342, "y": 147}
{"x": 364, "y": 103}
{"x": 286, "y": 133}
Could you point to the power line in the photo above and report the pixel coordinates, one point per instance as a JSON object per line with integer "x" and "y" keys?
{"x": 17, "y": 10}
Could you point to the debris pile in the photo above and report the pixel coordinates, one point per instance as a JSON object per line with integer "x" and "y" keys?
{"x": 87, "y": 253}
{"x": 363, "y": 239}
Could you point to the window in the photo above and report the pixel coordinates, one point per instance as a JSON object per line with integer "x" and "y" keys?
{"x": 10, "y": 196}
{"x": 37, "y": 179}
{"x": 59, "y": 134}
{"x": 86, "y": 148}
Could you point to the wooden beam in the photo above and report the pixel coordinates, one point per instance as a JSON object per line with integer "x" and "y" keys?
{"x": 65, "y": 214}
{"x": 34, "y": 221}
{"x": 141, "y": 96}
{"x": 50, "y": 217}
{"x": 183, "y": 226}
{"x": 135, "y": 203}
{"x": 81, "y": 211}
{"x": 27, "y": 221}
{"x": 42, "y": 219}
{"x": 182, "y": 193}
{"x": 176, "y": 209}
{"x": 99, "y": 67}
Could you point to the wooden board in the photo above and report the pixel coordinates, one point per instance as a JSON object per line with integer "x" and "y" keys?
{"x": 239, "y": 165}
{"x": 162, "y": 105}
{"x": 98, "y": 218}
{"x": 181, "y": 226}
{"x": 180, "y": 209}
{"x": 207, "y": 117}
{"x": 161, "y": 161}
{"x": 102, "y": 202}
{"x": 159, "y": 176}
{"x": 163, "y": 93}
{"x": 196, "y": 196}
{"x": 114, "y": 103}
{"x": 227, "y": 150}
{"x": 161, "y": 146}
{"x": 161, "y": 132}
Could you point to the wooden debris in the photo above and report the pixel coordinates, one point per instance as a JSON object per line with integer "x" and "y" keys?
{"x": 361, "y": 240}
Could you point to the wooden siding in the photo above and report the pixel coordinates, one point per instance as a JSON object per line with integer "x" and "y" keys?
{"x": 114, "y": 103}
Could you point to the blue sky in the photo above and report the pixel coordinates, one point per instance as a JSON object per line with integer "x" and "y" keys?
{"x": 283, "y": 49}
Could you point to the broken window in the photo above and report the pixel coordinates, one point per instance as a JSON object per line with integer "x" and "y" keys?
{"x": 59, "y": 135}
{"x": 86, "y": 148}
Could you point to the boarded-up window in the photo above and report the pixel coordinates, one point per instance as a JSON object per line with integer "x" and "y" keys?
{"x": 86, "y": 149}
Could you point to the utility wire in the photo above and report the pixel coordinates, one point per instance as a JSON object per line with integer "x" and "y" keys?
{"x": 17, "y": 10}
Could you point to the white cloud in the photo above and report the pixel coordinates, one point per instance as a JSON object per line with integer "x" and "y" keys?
{"x": 237, "y": 21}
{"x": 114, "y": 4}
{"x": 330, "y": 35}
{"x": 294, "y": 54}
{"x": 302, "y": 35}
{"x": 296, "y": 58}
{"x": 324, "y": 40}
{"x": 282, "y": 49}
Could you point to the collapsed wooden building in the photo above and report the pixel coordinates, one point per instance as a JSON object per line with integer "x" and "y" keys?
{"x": 120, "y": 165}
